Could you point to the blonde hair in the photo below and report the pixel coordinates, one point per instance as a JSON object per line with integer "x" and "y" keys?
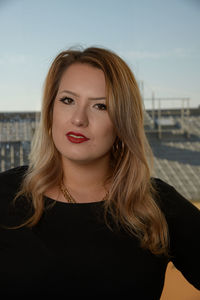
{"x": 131, "y": 201}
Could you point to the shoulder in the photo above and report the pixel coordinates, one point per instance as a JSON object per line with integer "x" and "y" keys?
{"x": 12, "y": 176}
{"x": 161, "y": 186}
{"x": 165, "y": 194}
{"x": 182, "y": 216}
{"x": 13, "y": 173}
{"x": 183, "y": 219}
{"x": 10, "y": 181}
{"x": 170, "y": 200}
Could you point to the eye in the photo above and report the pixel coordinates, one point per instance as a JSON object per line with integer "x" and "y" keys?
{"x": 66, "y": 100}
{"x": 101, "y": 106}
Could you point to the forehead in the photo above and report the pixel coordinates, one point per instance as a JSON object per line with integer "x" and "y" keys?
{"x": 80, "y": 73}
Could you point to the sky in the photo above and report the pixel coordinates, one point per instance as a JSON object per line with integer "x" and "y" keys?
{"x": 159, "y": 39}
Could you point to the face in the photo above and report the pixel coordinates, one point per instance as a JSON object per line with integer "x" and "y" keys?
{"x": 82, "y": 130}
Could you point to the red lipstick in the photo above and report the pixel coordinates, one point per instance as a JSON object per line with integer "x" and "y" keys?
{"x": 76, "y": 137}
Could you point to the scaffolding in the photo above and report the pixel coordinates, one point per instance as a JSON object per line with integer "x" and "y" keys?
{"x": 161, "y": 119}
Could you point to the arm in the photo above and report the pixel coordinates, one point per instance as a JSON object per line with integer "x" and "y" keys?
{"x": 183, "y": 220}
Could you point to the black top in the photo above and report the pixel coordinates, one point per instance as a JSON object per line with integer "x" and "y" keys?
{"x": 71, "y": 252}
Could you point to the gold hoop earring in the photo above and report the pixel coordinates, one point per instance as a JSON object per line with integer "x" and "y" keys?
{"x": 118, "y": 147}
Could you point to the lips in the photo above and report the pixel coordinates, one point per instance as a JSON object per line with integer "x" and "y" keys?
{"x": 76, "y": 137}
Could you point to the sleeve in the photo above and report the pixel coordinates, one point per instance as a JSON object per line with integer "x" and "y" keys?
{"x": 183, "y": 220}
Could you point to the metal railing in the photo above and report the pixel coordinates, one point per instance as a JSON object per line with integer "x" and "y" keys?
{"x": 159, "y": 119}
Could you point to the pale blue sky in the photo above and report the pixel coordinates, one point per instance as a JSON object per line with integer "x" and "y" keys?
{"x": 159, "y": 39}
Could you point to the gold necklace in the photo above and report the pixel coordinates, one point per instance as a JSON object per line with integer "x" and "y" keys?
{"x": 66, "y": 193}
{"x": 70, "y": 198}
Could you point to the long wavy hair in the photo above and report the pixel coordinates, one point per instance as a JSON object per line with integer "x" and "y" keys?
{"x": 131, "y": 200}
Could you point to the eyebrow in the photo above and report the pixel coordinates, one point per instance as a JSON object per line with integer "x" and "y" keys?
{"x": 76, "y": 95}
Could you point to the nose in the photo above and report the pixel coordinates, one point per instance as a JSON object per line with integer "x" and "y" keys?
{"x": 79, "y": 117}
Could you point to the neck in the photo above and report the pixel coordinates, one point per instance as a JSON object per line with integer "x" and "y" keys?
{"x": 83, "y": 176}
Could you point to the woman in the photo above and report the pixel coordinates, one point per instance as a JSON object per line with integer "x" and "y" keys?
{"x": 88, "y": 219}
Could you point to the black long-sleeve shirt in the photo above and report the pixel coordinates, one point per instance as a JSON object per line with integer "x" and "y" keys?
{"x": 72, "y": 254}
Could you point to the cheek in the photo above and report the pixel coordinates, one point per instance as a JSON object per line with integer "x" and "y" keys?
{"x": 108, "y": 130}
{"x": 59, "y": 119}
{"x": 57, "y": 127}
{"x": 109, "y": 134}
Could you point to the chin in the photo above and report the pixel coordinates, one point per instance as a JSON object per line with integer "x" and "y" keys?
{"x": 78, "y": 159}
